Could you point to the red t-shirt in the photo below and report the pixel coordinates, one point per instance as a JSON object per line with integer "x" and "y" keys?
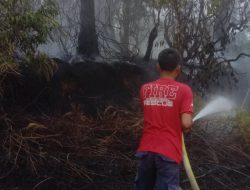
{"x": 163, "y": 102}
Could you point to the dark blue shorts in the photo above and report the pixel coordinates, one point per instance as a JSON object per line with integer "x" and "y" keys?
{"x": 156, "y": 171}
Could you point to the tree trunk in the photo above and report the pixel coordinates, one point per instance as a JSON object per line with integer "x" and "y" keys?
{"x": 125, "y": 27}
{"x": 87, "y": 40}
{"x": 151, "y": 39}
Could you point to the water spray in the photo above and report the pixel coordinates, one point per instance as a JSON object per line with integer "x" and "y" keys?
{"x": 218, "y": 105}
{"x": 245, "y": 99}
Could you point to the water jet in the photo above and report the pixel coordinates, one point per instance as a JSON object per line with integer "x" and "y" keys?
{"x": 218, "y": 105}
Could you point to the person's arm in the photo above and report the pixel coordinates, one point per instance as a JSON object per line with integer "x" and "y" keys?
{"x": 186, "y": 112}
{"x": 186, "y": 122}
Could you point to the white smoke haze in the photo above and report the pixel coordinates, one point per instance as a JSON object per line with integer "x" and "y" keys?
{"x": 108, "y": 26}
{"x": 109, "y": 29}
{"x": 242, "y": 67}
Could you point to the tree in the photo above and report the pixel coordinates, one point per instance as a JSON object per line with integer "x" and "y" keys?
{"x": 66, "y": 39}
{"x": 117, "y": 29}
{"x": 201, "y": 30}
{"x": 25, "y": 24}
{"x": 87, "y": 40}
{"x": 126, "y": 27}
{"x": 152, "y": 36}
{"x": 24, "y": 27}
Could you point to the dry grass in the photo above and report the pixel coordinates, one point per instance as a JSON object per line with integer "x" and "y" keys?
{"x": 219, "y": 157}
{"x": 73, "y": 149}
{"x": 77, "y": 152}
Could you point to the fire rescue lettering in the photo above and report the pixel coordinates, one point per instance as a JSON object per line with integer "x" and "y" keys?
{"x": 159, "y": 95}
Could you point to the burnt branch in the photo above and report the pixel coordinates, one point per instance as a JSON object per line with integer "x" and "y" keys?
{"x": 235, "y": 59}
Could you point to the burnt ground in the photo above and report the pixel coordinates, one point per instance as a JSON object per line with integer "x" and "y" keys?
{"x": 74, "y": 152}
{"x": 81, "y": 129}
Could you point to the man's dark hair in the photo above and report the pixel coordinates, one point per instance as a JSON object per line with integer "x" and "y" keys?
{"x": 168, "y": 59}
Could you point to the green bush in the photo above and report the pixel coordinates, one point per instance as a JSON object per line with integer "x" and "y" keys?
{"x": 25, "y": 24}
{"x": 242, "y": 120}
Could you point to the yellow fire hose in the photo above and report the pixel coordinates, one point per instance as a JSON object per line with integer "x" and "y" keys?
{"x": 188, "y": 168}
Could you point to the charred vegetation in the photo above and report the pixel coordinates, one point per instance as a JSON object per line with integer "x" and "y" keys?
{"x": 90, "y": 86}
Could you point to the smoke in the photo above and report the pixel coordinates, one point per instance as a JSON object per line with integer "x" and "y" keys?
{"x": 108, "y": 23}
{"x": 243, "y": 69}
{"x": 241, "y": 66}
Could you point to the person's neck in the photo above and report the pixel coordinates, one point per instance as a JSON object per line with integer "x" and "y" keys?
{"x": 168, "y": 75}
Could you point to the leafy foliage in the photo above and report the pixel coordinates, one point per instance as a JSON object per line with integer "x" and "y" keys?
{"x": 242, "y": 119}
{"x": 25, "y": 24}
